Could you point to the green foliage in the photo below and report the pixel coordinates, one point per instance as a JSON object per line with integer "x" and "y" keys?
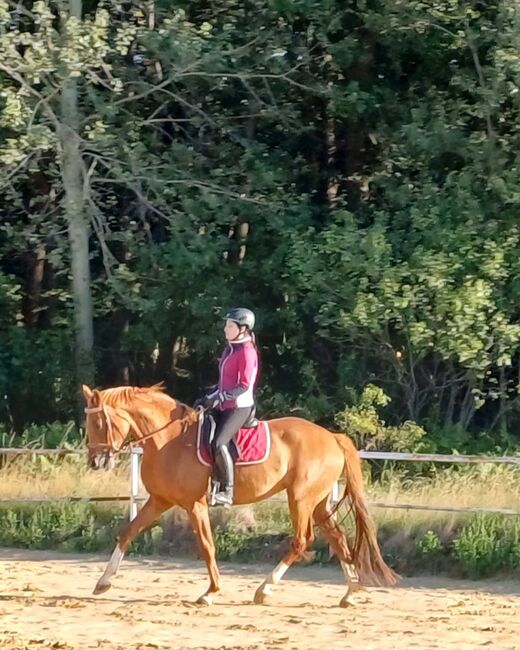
{"x": 230, "y": 543}
{"x": 351, "y": 172}
{"x": 69, "y": 527}
{"x": 363, "y": 423}
{"x": 429, "y": 544}
{"x": 150, "y": 541}
{"x": 487, "y": 544}
{"x": 479, "y": 545}
{"x": 47, "y": 436}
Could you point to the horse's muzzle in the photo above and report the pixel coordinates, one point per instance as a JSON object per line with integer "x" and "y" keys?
{"x": 104, "y": 460}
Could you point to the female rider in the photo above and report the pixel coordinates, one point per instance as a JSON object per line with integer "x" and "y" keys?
{"x": 233, "y": 399}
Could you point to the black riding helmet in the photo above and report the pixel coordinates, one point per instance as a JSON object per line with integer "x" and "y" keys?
{"x": 241, "y": 316}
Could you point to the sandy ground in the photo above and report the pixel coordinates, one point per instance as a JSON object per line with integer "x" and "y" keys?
{"x": 46, "y": 602}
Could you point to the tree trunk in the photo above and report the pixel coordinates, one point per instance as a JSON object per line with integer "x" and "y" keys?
{"x": 448, "y": 418}
{"x": 467, "y": 407}
{"x": 502, "y": 414}
{"x": 331, "y": 147}
{"x": 78, "y": 229}
{"x": 33, "y": 289}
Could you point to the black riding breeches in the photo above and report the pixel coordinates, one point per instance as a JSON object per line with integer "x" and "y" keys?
{"x": 228, "y": 424}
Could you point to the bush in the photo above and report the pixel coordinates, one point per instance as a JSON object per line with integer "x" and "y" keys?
{"x": 431, "y": 550}
{"x": 488, "y": 544}
{"x": 47, "y": 436}
{"x": 79, "y": 527}
{"x": 479, "y": 546}
{"x": 363, "y": 422}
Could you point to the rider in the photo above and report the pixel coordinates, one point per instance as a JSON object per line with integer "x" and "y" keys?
{"x": 233, "y": 399}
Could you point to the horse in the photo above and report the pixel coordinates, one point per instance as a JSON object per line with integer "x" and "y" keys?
{"x": 305, "y": 460}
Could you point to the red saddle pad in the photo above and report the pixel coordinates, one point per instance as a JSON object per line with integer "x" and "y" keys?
{"x": 252, "y": 445}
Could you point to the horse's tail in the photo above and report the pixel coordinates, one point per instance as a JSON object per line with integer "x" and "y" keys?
{"x": 366, "y": 554}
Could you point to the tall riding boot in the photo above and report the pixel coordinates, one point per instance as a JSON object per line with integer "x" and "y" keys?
{"x": 226, "y": 471}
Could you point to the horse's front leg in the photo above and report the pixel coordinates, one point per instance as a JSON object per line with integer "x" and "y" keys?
{"x": 149, "y": 513}
{"x": 199, "y": 520}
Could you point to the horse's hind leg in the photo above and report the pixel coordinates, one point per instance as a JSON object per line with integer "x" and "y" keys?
{"x": 151, "y": 511}
{"x": 301, "y": 516}
{"x": 338, "y": 541}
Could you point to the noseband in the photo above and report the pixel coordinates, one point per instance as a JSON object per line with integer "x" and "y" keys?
{"x": 109, "y": 446}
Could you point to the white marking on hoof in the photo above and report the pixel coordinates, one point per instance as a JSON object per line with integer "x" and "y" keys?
{"x": 348, "y": 598}
{"x": 347, "y": 601}
{"x": 101, "y": 587}
{"x": 354, "y": 586}
{"x": 262, "y": 595}
{"x": 115, "y": 562}
{"x": 205, "y": 599}
{"x": 104, "y": 584}
{"x": 350, "y": 572}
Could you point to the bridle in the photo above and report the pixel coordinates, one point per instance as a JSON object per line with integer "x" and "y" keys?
{"x": 109, "y": 446}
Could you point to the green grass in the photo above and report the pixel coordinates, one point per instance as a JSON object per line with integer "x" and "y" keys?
{"x": 412, "y": 541}
{"x": 478, "y": 545}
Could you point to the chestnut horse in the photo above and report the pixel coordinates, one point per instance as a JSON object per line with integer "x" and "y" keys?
{"x": 305, "y": 460}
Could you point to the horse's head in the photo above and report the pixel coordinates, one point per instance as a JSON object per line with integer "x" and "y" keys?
{"x": 107, "y": 428}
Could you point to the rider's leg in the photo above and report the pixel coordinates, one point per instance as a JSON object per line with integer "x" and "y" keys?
{"x": 229, "y": 423}
{"x": 226, "y": 469}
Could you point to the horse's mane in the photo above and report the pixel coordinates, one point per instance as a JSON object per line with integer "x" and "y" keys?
{"x": 127, "y": 395}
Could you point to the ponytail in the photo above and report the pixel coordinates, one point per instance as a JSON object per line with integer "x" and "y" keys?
{"x": 259, "y": 360}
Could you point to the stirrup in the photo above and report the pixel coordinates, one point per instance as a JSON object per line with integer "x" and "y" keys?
{"x": 223, "y": 498}
{"x": 215, "y": 489}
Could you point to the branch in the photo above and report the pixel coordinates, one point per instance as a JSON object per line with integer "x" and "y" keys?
{"x": 19, "y": 78}
{"x": 242, "y": 77}
{"x": 98, "y": 224}
{"x": 129, "y": 185}
{"x": 144, "y": 94}
{"x": 5, "y": 180}
{"x": 187, "y": 72}
{"x": 476, "y": 61}
{"x": 274, "y": 103}
{"x": 217, "y": 189}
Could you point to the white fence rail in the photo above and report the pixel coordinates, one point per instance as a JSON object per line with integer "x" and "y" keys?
{"x": 134, "y": 498}
{"x": 438, "y": 458}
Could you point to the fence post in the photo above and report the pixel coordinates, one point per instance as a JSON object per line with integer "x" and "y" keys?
{"x": 135, "y": 472}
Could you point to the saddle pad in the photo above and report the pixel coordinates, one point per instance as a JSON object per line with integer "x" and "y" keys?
{"x": 249, "y": 447}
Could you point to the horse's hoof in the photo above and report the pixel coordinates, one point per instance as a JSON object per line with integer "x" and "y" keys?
{"x": 347, "y": 601}
{"x": 261, "y": 598}
{"x": 205, "y": 600}
{"x": 101, "y": 587}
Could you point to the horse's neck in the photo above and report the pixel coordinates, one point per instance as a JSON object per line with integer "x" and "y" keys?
{"x": 167, "y": 423}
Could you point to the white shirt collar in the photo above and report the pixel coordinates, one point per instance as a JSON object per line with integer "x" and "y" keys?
{"x": 244, "y": 340}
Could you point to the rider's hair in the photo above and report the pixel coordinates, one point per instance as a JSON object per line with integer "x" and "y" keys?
{"x": 259, "y": 360}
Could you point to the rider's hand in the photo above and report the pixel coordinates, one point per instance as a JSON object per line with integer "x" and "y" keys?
{"x": 210, "y": 403}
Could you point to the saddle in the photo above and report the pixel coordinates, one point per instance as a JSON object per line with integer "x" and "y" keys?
{"x": 251, "y": 445}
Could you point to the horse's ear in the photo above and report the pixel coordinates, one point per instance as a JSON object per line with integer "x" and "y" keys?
{"x": 92, "y": 397}
{"x": 87, "y": 393}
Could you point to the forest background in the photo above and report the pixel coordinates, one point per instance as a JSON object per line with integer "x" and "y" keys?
{"x": 349, "y": 170}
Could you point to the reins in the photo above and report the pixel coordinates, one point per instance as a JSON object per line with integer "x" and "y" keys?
{"x": 128, "y": 441}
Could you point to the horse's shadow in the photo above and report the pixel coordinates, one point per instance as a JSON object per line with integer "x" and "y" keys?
{"x": 59, "y": 601}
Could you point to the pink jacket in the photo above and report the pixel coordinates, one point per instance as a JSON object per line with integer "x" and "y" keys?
{"x": 238, "y": 370}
